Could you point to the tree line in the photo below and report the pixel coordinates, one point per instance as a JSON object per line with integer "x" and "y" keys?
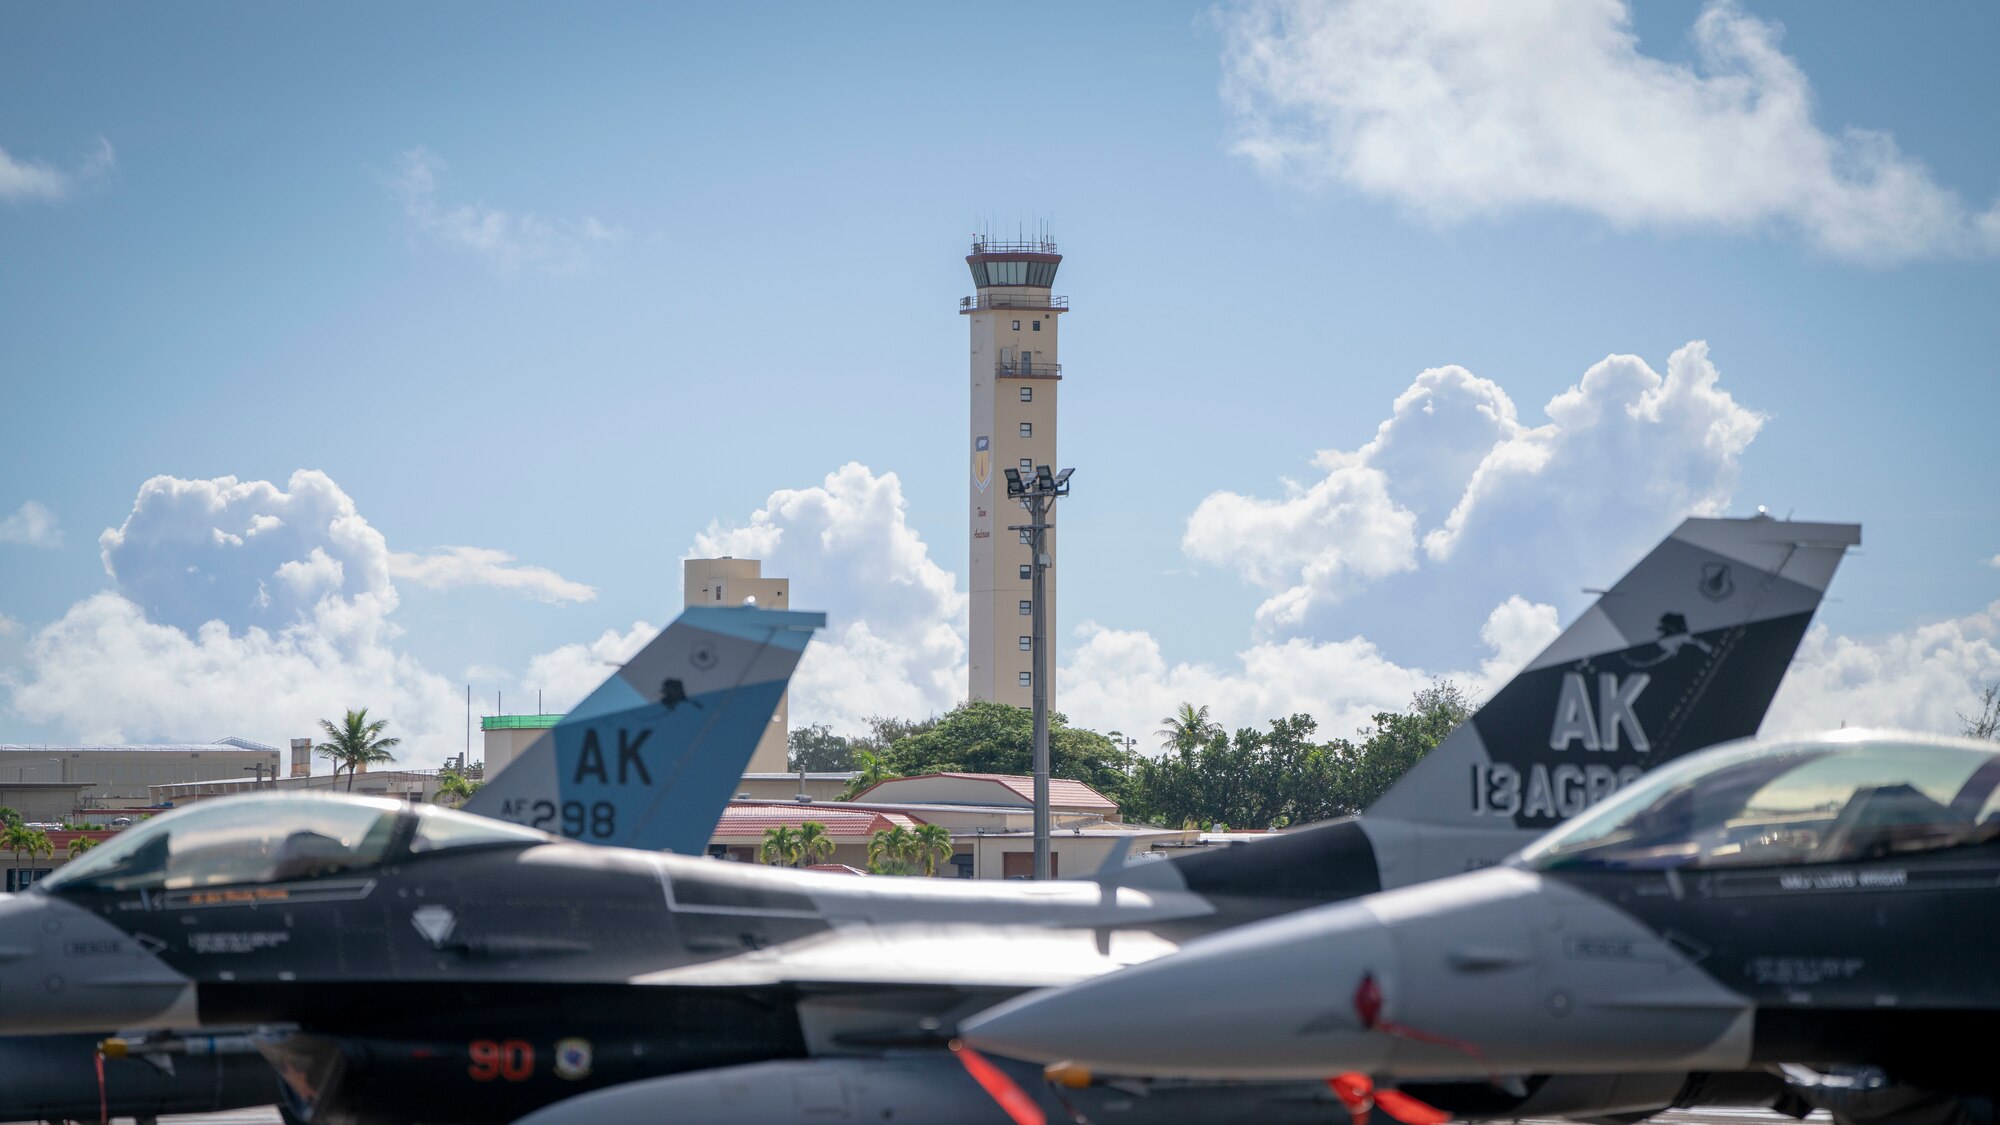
{"x": 1205, "y": 776}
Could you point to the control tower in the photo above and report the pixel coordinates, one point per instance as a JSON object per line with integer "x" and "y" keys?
{"x": 1016, "y": 374}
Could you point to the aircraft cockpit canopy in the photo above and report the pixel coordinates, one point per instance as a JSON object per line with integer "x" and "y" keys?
{"x": 1843, "y": 798}
{"x": 272, "y": 839}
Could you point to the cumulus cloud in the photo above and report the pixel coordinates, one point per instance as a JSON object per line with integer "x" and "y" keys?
{"x": 566, "y": 674}
{"x": 246, "y": 606}
{"x": 8, "y": 626}
{"x": 895, "y": 637}
{"x": 1917, "y": 679}
{"x": 1119, "y": 679}
{"x": 1461, "y": 110}
{"x": 34, "y": 181}
{"x": 31, "y": 525}
{"x": 454, "y": 567}
{"x": 508, "y": 241}
{"x": 1454, "y": 471}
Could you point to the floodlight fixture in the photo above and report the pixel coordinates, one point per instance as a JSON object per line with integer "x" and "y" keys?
{"x": 1044, "y": 479}
{"x": 1062, "y": 480}
{"x": 1014, "y": 486}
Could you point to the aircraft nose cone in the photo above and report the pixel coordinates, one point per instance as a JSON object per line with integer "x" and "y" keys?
{"x": 22, "y": 984}
{"x": 1270, "y": 1000}
{"x": 63, "y": 969}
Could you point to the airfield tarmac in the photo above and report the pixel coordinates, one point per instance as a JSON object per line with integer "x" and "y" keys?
{"x": 267, "y": 1115}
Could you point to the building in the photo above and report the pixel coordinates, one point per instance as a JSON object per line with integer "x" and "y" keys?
{"x": 122, "y": 775}
{"x": 402, "y": 785}
{"x": 1015, "y": 378}
{"x": 990, "y": 818}
{"x": 504, "y": 737}
{"x": 730, "y": 581}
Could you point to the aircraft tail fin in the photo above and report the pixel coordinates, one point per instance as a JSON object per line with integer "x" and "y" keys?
{"x": 1686, "y": 651}
{"x": 651, "y": 758}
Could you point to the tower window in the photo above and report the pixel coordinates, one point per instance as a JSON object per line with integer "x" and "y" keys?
{"x": 1027, "y": 570}
{"x": 1027, "y": 679}
{"x": 1028, "y": 466}
{"x": 1038, "y": 326}
{"x": 1027, "y": 429}
{"x": 1017, "y": 326}
{"x": 1027, "y": 608}
{"x": 1027, "y": 394}
{"x": 1027, "y": 644}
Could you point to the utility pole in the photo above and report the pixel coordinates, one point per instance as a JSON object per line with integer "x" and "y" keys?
{"x": 1038, "y": 495}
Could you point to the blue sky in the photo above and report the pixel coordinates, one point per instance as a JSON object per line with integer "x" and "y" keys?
{"x": 580, "y": 285}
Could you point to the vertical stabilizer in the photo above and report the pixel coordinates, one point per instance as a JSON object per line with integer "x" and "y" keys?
{"x": 651, "y": 758}
{"x": 1684, "y": 652}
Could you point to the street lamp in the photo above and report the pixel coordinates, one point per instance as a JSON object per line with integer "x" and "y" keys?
{"x": 1038, "y": 495}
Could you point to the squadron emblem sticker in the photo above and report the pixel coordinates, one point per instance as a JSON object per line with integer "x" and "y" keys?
{"x": 572, "y": 1059}
{"x": 1716, "y": 583}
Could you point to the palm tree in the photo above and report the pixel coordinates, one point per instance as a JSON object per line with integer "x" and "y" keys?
{"x": 81, "y": 844}
{"x": 814, "y": 843}
{"x": 780, "y": 846}
{"x": 354, "y": 744}
{"x": 931, "y": 846}
{"x": 9, "y": 816}
{"x": 453, "y": 784}
{"x": 872, "y": 769}
{"x": 889, "y": 851}
{"x": 1187, "y": 727}
{"x": 19, "y": 839}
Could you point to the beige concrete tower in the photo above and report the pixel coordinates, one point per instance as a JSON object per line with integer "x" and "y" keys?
{"x": 1015, "y": 377}
{"x": 727, "y": 581}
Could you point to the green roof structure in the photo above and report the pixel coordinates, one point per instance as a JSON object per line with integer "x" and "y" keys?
{"x": 518, "y": 722}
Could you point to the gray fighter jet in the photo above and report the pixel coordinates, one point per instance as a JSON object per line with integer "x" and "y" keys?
{"x": 432, "y": 966}
{"x": 1827, "y": 901}
{"x": 650, "y": 766}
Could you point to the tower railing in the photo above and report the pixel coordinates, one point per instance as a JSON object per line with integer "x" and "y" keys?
{"x": 1031, "y": 246}
{"x": 997, "y": 300}
{"x": 1018, "y": 370}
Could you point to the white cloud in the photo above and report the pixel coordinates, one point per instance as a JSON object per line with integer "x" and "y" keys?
{"x": 1118, "y": 679}
{"x": 8, "y": 626}
{"x": 567, "y": 674}
{"x": 508, "y": 241}
{"x": 1994, "y": 562}
{"x": 243, "y": 606}
{"x": 895, "y": 637}
{"x": 1459, "y": 110}
{"x": 482, "y": 566}
{"x": 1454, "y": 469}
{"x": 1917, "y": 679}
{"x": 26, "y": 181}
{"x": 31, "y": 525}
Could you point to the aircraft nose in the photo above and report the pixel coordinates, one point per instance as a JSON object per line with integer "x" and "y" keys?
{"x": 64, "y": 969}
{"x": 1266, "y": 1001}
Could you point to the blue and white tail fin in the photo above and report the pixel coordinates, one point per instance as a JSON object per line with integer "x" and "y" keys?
{"x": 651, "y": 758}
{"x": 1686, "y": 651}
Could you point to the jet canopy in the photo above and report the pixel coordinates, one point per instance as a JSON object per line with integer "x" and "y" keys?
{"x": 1840, "y": 798}
{"x": 273, "y": 839}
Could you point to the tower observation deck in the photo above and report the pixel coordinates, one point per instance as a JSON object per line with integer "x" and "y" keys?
{"x": 1016, "y": 374}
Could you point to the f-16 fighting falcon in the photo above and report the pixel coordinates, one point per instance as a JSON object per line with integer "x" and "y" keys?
{"x": 432, "y": 966}
{"x": 1824, "y": 901}
{"x": 655, "y": 778}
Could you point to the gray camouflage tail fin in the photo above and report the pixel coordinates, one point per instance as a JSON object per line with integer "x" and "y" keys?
{"x": 1686, "y": 651}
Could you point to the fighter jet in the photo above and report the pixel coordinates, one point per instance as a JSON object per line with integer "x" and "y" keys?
{"x": 428, "y": 965}
{"x": 1820, "y": 901}
{"x": 656, "y": 776}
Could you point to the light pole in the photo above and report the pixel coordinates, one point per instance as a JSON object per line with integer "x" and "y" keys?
{"x": 1038, "y": 495}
